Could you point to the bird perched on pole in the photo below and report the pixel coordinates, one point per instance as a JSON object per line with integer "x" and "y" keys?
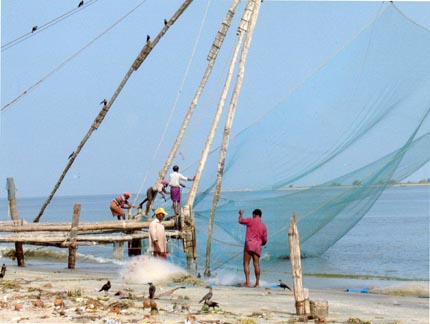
{"x": 81, "y": 3}
{"x": 104, "y": 102}
{"x": 105, "y": 287}
{"x": 283, "y": 285}
{"x": 148, "y": 38}
{"x": 151, "y": 290}
{"x": 34, "y": 29}
{"x": 207, "y": 297}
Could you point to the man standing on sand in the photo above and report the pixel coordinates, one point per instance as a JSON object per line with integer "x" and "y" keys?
{"x": 256, "y": 237}
{"x": 175, "y": 188}
{"x": 157, "y": 235}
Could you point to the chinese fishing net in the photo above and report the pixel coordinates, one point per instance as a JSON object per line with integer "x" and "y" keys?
{"x": 369, "y": 107}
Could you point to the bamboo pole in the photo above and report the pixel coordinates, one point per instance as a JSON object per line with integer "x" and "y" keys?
{"x": 213, "y": 53}
{"x": 83, "y": 227}
{"x": 19, "y": 251}
{"x": 300, "y": 295}
{"x": 248, "y": 23}
{"x": 62, "y": 240}
{"x": 102, "y": 114}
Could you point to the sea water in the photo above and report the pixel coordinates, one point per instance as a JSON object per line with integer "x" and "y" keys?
{"x": 389, "y": 245}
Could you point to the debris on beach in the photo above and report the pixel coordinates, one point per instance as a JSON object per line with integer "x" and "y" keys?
{"x": 357, "y": 321}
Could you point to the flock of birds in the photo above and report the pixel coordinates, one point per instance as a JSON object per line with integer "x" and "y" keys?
{"x": 206, "y": 299}
{"x": 81, "y": 3}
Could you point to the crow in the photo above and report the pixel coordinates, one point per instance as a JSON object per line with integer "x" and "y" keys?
{"x": 151, "y": 290}
{"x": 283, "y": 285}
{"x": 207, "y": 297}
{"x": 148, "y": 38}
{"x": 212, "y": 304}
{"x": 3, "y": 271}
{"x": 34, "y": 29}
{"x": 104, "y": 102}
{"x": 71, "y": 154}
{"x": 81, "y": 3}
{"x": 106, "y": 286}
{"x": 165, "y": 22}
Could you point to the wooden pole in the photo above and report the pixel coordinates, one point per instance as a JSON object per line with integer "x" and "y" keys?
{"x": 300, "y": 295}
{"x": 19, "y": 252}
{"x": 84, "y": 228}
{"x": 73, "y": 235}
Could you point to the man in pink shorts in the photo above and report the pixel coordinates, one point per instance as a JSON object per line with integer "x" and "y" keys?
{"x": 175, "y": 188}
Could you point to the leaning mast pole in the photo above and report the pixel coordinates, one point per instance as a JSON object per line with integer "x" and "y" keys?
{"x": 102, "y": 114}
{"x": 247, "y": 27}
{"x": 187, "y": 212}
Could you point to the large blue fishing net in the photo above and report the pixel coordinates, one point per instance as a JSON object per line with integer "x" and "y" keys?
{"x": 375, "y": 91}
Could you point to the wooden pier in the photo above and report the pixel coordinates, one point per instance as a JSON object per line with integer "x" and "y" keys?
{"x": 74, "y": 234}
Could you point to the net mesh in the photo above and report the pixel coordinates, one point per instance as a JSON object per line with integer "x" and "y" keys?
{"x": 369, "y": 109}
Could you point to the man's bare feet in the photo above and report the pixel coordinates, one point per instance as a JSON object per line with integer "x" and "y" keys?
{"x": 246, "y": 284}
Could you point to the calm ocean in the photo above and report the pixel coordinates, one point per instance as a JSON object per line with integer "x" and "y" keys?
{"x": 390, "y": 245}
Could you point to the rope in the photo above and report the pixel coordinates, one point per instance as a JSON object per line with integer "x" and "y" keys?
{"x": 70, "y": 58}
{"x": 172, "y": 111}
{"x": 45, "y": 26}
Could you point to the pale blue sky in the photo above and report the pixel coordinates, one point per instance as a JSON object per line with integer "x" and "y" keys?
{"x": 41, "y": 129}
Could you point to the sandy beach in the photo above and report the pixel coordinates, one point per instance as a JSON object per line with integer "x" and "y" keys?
{"x": 36, "y": 295}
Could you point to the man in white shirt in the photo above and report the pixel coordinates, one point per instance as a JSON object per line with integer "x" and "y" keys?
{"x": 175, "y": 188}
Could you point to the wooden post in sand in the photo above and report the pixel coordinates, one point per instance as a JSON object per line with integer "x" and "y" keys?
{"x": 300, "y": 295}
{"x": 73, "y": 234}
{"x": 19, "y": 252}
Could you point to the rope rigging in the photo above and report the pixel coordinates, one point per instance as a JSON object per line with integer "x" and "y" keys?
{"x": 70, "y": 58}
{"x": 39, "y": 28}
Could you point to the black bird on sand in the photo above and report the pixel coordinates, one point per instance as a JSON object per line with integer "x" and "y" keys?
{"x": 3, "y": 271}
{"x": 34, "y": 29}
{"x": 105, "y": 287}
{"x": 283, "y": 285}
{"x": 151, "y": 290}
{"x": 148, "y": 38}
{"x": 104, "y": 102}
{"x": 212, "y": 304}
{"x": 81, "y": 3}
{"x": 207, "y": 297}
